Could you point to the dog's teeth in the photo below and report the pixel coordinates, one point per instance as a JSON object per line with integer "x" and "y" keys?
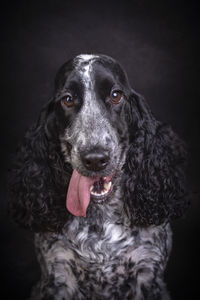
{"x": 104, "y": 191}
{"x": 107, "y": 186}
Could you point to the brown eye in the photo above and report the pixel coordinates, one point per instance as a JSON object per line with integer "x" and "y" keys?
{"x": 68, "y": 101}
{"x": 115, "y": 97}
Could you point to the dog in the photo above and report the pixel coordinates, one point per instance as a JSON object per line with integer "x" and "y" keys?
{"x": 99, "y": 179}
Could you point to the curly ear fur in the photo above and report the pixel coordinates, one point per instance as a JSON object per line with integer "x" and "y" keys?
{"x": 154, "y": 177}
{"x": 39, "y": 178}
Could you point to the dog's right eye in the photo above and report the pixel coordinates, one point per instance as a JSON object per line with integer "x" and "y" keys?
{"x": 116, "y": 96}
{"x": 68, "y": 101}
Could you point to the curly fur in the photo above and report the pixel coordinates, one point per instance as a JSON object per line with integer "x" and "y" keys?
{"x": 120, "y": 250}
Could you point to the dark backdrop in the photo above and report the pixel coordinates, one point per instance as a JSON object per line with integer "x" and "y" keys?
{"x": 157, "y": 43}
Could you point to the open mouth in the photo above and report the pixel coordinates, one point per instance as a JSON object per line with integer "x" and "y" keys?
{"x": 82, "y": 189}
{"x": 101, "y": 188}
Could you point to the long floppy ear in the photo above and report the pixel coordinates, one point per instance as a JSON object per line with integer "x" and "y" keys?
{"x": 154, "y": 169}
{"x": 38, "y": 178}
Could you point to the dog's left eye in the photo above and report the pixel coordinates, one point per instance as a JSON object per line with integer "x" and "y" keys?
{"x": 116, "y": 96}
{"x": 68, "y": 101}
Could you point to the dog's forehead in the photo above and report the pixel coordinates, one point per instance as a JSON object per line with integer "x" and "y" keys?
{"x": 86, "y": 58}
{"x": 83, "y": 65}
{"x": 90, "y": 66}
{"x": 83, "y": 60}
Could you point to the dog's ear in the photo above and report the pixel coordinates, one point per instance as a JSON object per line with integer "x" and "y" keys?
{"x": 154, "y": 182}
{"x": 38, "y": 179}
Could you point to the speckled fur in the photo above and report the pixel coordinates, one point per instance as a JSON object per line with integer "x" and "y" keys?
{"x": 120, "y": 250}
{"x": 104, "y": 259}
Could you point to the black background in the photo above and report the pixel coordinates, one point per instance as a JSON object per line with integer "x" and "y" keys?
{"x": 157, "y": 42}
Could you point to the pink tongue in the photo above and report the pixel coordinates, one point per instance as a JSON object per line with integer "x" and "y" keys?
{"x": 78, "y": 195}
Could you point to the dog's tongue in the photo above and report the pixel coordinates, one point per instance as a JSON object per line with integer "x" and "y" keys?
{"x": 78, "y": 195}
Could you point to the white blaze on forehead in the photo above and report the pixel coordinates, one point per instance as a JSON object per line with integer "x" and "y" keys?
{"x": 87, "y": 75}
{"x": 84, "y": 66}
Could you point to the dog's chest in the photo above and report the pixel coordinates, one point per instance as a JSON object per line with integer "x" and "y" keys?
{"x": 100, "y": 243}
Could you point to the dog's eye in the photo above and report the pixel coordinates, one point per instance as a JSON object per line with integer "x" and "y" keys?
{"x": 115, "y": 97}
{"x": 68, "y": 101}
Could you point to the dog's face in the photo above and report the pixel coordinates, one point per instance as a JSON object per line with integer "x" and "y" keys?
{"x": 95, "y": 126}
{"x": 92, "y": 93}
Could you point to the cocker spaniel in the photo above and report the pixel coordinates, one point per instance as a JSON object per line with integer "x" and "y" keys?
{"x": 98, "y": 179}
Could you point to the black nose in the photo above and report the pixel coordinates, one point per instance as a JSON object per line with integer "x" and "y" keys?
{"x": 95, "y": 160}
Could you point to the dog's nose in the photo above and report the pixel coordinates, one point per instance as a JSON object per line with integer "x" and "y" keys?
{"x": 95, "y": 160}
